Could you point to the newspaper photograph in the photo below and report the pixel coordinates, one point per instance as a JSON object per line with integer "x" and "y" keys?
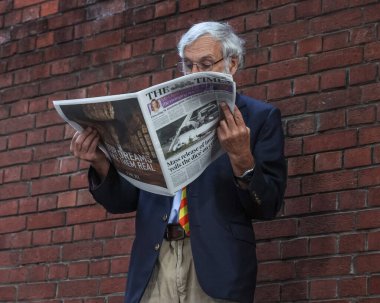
{"x": 162, "y": 138}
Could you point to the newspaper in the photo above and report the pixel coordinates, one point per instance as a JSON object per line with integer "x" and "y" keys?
{"x": 161, "y": 138}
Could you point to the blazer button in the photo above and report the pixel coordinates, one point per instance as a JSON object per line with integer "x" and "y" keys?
{"x": 164, "y": 217}
{"x": 157, "y": 247}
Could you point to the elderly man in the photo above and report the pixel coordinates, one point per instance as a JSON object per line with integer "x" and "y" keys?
{"x": 216, "y": 260}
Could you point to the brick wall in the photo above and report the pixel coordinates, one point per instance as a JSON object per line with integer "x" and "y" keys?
{"x": 317, "y": 60}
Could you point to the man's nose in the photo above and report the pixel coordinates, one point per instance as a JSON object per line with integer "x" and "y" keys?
{"x": 195, "y": 68}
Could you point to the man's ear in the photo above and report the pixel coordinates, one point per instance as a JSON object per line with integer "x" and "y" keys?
{"x": 234, "y": 64}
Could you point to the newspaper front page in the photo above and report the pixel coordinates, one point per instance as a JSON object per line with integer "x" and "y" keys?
{"x": 161, "y": 138}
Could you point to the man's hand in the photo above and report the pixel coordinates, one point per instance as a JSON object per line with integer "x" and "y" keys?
{"x": 84, "y": 146}
{"x": 234, "y": 137}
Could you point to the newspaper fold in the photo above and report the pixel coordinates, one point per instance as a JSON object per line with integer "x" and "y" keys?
{"x": 161, "y": 138}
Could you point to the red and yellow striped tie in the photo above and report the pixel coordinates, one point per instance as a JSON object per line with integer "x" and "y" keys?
{"x": 183, "y": 218}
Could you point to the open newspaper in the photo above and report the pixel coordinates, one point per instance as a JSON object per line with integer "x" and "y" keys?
{"x": 161, "y": 138}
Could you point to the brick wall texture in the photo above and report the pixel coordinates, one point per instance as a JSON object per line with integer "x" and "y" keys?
{"x": 316, "y": 60}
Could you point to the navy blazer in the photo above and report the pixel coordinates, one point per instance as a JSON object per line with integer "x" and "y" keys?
{"x": 220, "y": 214}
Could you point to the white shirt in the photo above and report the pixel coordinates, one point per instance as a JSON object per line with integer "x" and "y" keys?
{"x": 173, "y": 217}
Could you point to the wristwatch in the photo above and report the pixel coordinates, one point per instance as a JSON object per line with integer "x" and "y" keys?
{"x": 246, "y": 176}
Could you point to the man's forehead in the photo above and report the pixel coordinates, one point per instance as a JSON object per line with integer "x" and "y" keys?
{"x": 203, "y": 47}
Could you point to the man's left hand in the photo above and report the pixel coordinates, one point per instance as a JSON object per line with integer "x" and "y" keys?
{"x": 234, "y": 137}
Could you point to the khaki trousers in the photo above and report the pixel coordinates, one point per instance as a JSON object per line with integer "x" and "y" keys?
{"x": 174, "y": 279}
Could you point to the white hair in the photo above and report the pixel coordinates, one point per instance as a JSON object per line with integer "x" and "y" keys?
{"x": 232, "y": 45}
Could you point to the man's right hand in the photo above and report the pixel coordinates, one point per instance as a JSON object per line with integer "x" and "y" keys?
{"x": 84, "y": 146}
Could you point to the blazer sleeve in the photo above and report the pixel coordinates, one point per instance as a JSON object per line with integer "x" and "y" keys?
{"x": 265, "y": 193}
{"x": 114, "y": 193}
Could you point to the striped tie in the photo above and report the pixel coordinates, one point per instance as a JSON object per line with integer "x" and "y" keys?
{"x": 183, "y": 218}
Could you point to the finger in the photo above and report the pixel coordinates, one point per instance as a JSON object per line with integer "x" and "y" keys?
{"x": 229, "y": 118}
{"x": 73, "y": 140}
{"x": 88, "y": 141}
{"x": 238, "y": 117}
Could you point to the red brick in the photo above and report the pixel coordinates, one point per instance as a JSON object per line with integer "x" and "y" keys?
{"x": 324, "y": 202}
{"x": 294, "y": 248}
{"x": 306, "y": 84}
{"x": 40, "y": 254}
{"x": 120, "y": 264}
{"x": 357, "y": 157}
{"x": 256, "y": 57}
{"x": 329, "y": 182}
{"x": 230, "y": 9}
{"x": 83, "y": 232}
{"x": 82, "y": 250}
{"x": 112, "y": 285}
{"x": 296, "y": 206}
{"x": 302, "y": 126}
{"x": 267, "y": 293}
{"x": 14, "y": 190}
{"x": 368, "y": 219}
{"x": 41, "y": 237}
{"x": 363, "y": 35}
{"x": 336, "y": 21}
{"x": 282, "y": 33}
{"x": 323, "y": 289}
{"x": 8, "y": 294}
{"x": 86, "y": 214}
{"x": 293, "y": 187}
{"x": 284, "y": 14}
{"x": 165, "y": 8}
{"x": 300, "y": 165}
{"x": 308, "y": 9}
{"x": 336, "y": 41}
{"x": 372, "y": 51}
{"x": 266, "y": 4}
{"x": 373, "y": 241}
{"x": 282, "y": 70}
{"x": 369, "y": 135}
{"x": 49, "y": 8}
{"x": 78, "y": 270}
{"x": 323, "y": 246}
{"x": 276, "y": 271}
{"x": 331, "y": 224}
{"x": 328, "y": 6}
{"x": 268, "y": 251}
{"x": 49, "y": 185}
{"x": 46, "y": 220}
{"x": 355, "y": 199}
{"x": 374, "y": 196}
{"x": 279, "y": 228}
{"x": 338, "y": 58}
{"x": 367, "y": 263}
{"x": 78, "y": 288}
{"x": 371, "y": 13}
{"x": 101, "y": 267}
{"x": 13, "y": 275}
{"x": 331, "y": 100}
{"x": 362, "y": 74}
{"x": 51, "y": 150}
{"x": 352, "y": 243}
{"x": 331, "y": 120}
{"x": 257, "y": 21}
{"x": 323, "y": 267}
{"x": 118, "y": 246}
{"x": 333, "y": 79}
{"x": 57, "y": 272}
{"x": 279, "y": 89}
{"x": 294, "y": 291}
{"x": 309, "y": 46}
{"x": 374, "y": 285}
{"x": 328, "y": 161}
{"x": 12, "y": 174}
{"x": 371, "y": 92}
{"x": 330, "y": 141}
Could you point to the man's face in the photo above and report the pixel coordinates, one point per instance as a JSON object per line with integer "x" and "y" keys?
{"x": 205, "y": 50}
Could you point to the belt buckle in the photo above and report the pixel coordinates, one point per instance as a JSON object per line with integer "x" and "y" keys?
{"x": 178, "y": 231}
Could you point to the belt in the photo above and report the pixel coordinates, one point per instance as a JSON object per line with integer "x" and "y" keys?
{"x": 174, "y": 232}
